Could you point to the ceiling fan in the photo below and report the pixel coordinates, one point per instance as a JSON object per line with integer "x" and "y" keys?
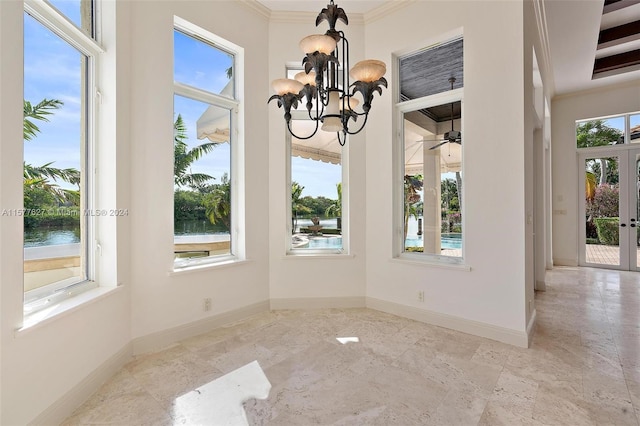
{"x": 453, "y": 136}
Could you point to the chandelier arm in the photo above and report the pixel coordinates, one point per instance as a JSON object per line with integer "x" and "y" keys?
{"x": 319, "y": 110}
{"x": 346, "y": 129}
{"x": 346, "y": 83}
{"x": 299, "y": 137}
{"x": 344, "y": 140}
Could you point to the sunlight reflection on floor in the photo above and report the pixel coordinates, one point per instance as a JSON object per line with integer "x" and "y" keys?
{"x": 219, "y": 402}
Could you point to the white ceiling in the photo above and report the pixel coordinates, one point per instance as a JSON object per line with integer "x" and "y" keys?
{"x": 573, "y": 27}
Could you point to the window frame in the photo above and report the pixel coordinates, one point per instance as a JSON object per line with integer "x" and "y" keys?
{"x": 344, "y": 159}
{"x": 53, "y": 20}
{"x": 236, "y": 141}
{"x": 626, "y": 131}
{"x": 400, "y": 108}
{"x": 301, "y": 113}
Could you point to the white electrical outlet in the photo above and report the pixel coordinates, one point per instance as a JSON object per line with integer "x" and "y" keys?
{"x": 421, "y": 296}
{"x": 207, "y": 304}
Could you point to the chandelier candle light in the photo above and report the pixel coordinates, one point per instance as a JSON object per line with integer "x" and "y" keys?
{"x": 318, "y": 83}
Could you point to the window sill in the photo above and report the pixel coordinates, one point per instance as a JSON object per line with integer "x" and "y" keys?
{"x": 207, "y": 266}
{"x": 65, "y": 307}
{"x": 298, "y": 255}
{"x": 432, "y": 263}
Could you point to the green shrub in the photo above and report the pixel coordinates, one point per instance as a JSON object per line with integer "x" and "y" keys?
{"x": 414, "y": 249}
{"x": 608, "y": 230}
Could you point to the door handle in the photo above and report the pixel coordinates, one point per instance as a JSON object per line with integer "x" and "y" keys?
{"x": 622, "y": 225}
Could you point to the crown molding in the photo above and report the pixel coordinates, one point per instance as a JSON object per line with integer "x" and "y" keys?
{"x": 256, "y": 6}
{"x": 386, "y": 9}
{"x": 280, "y": 16}
{"x": 632, "y": 84}
{"x": 541, "y": 24}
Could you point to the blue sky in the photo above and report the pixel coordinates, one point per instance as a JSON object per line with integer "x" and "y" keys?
{"x": 59, "y": 140}
{"x": 195, "y": 63}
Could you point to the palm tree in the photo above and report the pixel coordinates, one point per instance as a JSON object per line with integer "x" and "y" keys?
{"x": 183, "y": 157}
{"x": 335, "y": 208}
{"x": 296, "y": 205}
{"x": 412, "y": 185}
{"x": 218, "y": 203}
{"x": 39, "y": 177}
{"x": 597, "y": 133}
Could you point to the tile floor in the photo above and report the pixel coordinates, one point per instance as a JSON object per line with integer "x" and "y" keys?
{"x": 583, "y": 367}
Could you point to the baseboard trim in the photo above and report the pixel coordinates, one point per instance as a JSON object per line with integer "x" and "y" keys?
{"x": 501, "y": 334}
{"x": 161, "y": 339}
{"x": 319, "y": 303}
{"x": 565, "y": 262}
{"x": 67, "y": 404}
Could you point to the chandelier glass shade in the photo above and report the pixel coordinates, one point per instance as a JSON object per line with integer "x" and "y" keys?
{"x": 326, "y": 84}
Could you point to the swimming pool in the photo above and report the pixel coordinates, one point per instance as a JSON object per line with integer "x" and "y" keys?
{"x": 447, "y": 241}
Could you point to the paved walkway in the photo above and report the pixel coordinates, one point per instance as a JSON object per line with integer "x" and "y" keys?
{"x": 605, "y": 255}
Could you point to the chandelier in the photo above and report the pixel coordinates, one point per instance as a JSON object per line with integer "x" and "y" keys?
{"x": 325, "y": 81}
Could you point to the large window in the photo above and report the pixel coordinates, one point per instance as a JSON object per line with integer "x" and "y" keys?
{"x": 429, "y": 188}
{"x": 318, "y": 192}
{"x": 206, "y": 216}
{"x": 59, "y": 122}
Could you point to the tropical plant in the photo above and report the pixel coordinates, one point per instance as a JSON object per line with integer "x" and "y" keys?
{"x": 590, "y": 186}
{"x": 605, "y": 202}
{"x": 296, "y": 206}
{"x": 412, "y": 186}
{"x": 183, "y": 157}
{"x": 335, "y": 208}
{"x": 597, "y": 133}
{"x": 37, "y": 179}
{"x": 39, "y": 112}
{"x": 217, "y": 203}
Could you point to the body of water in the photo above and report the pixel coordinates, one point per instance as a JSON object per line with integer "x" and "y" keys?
{"x": 198, "y": 227}
{"x": 39, "y": 237}
{"x": 51, "y": 236}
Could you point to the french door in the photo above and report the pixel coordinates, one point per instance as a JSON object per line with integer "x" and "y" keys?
{"x": 609, "y": 208}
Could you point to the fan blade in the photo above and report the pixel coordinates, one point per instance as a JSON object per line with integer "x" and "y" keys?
{"x": 439, "y": 145}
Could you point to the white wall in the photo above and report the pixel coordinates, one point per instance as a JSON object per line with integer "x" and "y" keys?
{"x": 492, "y": 293}
{"x": 566, "y": 110}
{"x": 153, "y": 301}
{"x": 537, "y": 86}
{"x": 161, "y": 301}
{"x": 312, "y": 278}
{"x": 42, "y": 364}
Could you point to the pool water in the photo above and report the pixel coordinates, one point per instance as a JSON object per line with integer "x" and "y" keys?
{"x": 322, "y": 242}
{"x": 447, "y": 241}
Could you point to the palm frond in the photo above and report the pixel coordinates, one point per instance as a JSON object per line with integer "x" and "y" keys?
{"x": 38, "y": 112}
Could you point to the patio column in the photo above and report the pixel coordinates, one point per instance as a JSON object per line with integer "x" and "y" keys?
{"x": 431, "y": 209}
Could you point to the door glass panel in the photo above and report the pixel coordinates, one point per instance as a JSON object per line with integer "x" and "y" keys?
{"x": 635, "y": 202}
{"x": 602, "y": 200}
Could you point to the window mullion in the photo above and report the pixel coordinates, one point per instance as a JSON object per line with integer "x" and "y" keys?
{"x": 204, "y": 96}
